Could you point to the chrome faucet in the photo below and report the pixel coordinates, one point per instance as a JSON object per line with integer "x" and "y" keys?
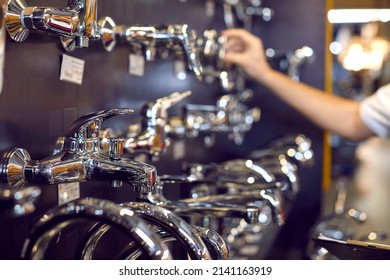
{"x": 229, "y": 115}
{"x": 240, "y": 10}
{"x": 296, "y": 148}
{"x": 95, "y": 210}
{"x": 151, "y": 37}
{"x": 80, "y": 159}
{"x": 291, "y": 62}
{"x": 190, "y": 208}
{"x": 150, "y": 136}
{"x": 75, "y": 24}
{"x": 170, "y": 227}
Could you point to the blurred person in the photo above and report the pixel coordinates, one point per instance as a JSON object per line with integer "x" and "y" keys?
{"x": 353, "y": 120}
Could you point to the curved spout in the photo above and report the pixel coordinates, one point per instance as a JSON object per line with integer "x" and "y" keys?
{"x": 166, "y": 222}
{"x": 95, "y": 210}
{"x": 140, "y": 175}
{"x": 214, "y": 241}
{"x": 271, "y": 197}
{"x": 215, "y": 208}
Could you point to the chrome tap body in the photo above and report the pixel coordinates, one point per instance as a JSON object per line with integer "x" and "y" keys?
{"x": 151, "y": 37}
{"x": 229, "y": 115}
{"x": 76, "y": 22}
{"x": 79, "y": 160}
{"x": 166, "y": 223}
{"x": 151, "y": 137}
{"x": 193, "y": 208}
{"x": 96, "y": 210}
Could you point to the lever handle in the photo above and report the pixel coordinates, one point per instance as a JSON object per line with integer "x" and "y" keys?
{"x": 88, "y": 126}
{"x": 158, "y": 109}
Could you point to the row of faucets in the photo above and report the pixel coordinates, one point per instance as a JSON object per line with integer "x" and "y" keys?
{"x": 77, "y": 24}
{"x": 247, "y": 192}
{"x": 249, "y": 186}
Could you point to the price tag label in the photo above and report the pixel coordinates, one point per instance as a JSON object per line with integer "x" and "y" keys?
{"x": 68, "y": 192}
{"x": 72, "y": 69}
{"x": 136, "y": 65}
{"x": 178, "y": 150}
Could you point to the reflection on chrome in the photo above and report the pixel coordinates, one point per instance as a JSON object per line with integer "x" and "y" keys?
{"x": 167, "y": 224}
{"x": 80, "y": 159}
{"x": 97, "y": 210}
{"x": 75, "y": 24}
{"x": 152, "y": 38}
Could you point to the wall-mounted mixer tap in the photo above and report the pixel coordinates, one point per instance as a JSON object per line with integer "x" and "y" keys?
{"x": 150, "y": 136}
{"x": 228, "y": 116}
{"x": 291, "y": 62}
{"x": 191, "y": 208}
{"x": 241, "y": 11}
{"x": 79, "y": 160}
{"x": 152, "y": 37}
{"x": 75, "y": 24}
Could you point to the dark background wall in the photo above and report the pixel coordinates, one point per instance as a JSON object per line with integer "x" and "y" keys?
{"x": 36, "y": 107}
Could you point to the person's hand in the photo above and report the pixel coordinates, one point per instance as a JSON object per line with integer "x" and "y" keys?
{"x": 246, "y": 51}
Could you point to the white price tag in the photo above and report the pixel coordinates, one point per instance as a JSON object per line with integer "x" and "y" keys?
{"x": 68, "y": 192}
{"x": 180, "y": 69}
{"x": 178, "y": 150}
{"x": 136, "y": 65}
{"x": 72, "y": 69}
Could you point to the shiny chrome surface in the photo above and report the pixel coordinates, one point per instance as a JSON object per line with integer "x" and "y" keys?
{"x": 79, "y": 160}
{"x": 96, "y": 210}
{"x": 229, "y": 116}
{"x": 150, "y": 38}
{"x": 76, "y": 22}
{"x": 291, "y": 62}
{"x": 298, "y": 59}
{"x": 195, "y": 208}
{"x": 214, "y": 242}
{"x": 240, "y": 13}
{"x": 164, "y": 221}
{"x": 150, "y": 136}
{"x": 244, "y": 174}
{"x": 295, "y": 147}
{"x": 16, "y": 203}
{"x": 272, "y": 197}
{"x": 12, "y": 167}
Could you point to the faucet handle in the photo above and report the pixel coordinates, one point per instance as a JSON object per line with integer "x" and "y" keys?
{"x": 107, "y": 33}
{"x": 158, "y": 109}
{"x": 88, "y": 126}
{"x": 188, "y": 38}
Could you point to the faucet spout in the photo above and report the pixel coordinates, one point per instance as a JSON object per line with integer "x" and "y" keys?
{"x": 140, "y": 175}
{"x": 190, "y": 207}
{"x": 80, "y": 159}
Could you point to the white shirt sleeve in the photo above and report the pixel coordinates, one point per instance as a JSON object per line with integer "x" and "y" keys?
{"x": 375, "y": 111}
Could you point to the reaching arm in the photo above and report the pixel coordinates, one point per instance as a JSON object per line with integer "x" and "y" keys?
{"x": 329, "y": 112}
